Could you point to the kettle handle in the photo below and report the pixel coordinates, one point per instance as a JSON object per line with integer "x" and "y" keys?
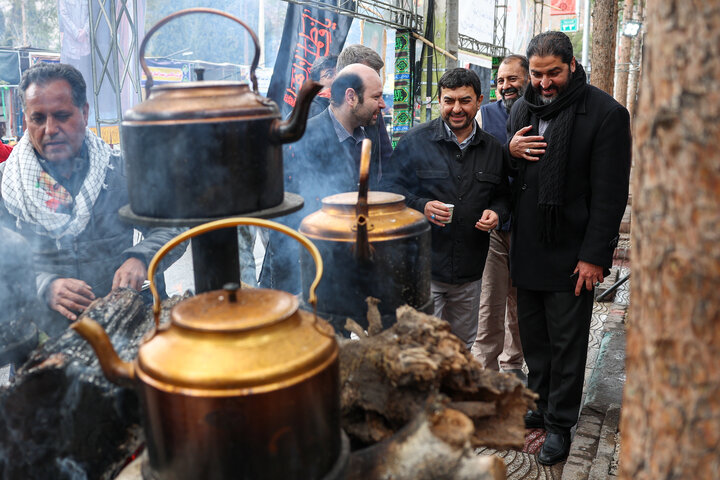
{"x": 149, "y": 78}
{"x": 233, "y": 222}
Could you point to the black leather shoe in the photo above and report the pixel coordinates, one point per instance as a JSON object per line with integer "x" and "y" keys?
{"x": 534, "y": 419}
{"x": 555, "y": 449}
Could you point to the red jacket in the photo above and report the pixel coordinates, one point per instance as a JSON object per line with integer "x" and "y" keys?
{"x": 4, "y": 152}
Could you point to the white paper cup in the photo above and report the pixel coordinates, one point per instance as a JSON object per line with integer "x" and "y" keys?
{"x": 451, "y": 207}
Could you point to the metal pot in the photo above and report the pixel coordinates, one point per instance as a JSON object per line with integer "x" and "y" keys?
{"x": 207, "y": 149}
{"x": 240, "y": 384}
{"x": 373, "y": 245}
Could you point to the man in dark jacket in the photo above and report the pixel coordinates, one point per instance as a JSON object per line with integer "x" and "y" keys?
{"x": 61, "y": 188}
{"x": 326, "y": 161}
{"x": 450, "y": 160}
{"x": 571, "y": 142}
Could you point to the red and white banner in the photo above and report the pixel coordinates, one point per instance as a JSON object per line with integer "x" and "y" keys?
{"x": 562, "y": 7}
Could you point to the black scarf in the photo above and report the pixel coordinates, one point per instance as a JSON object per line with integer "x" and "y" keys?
{"x": 554, "y": 161}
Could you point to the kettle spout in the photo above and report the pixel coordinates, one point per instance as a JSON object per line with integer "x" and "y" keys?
{"x": 292, "y": 130}
{"x": 119, "y": 372}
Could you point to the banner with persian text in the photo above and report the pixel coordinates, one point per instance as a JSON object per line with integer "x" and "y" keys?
{"x": 309, "y": 33}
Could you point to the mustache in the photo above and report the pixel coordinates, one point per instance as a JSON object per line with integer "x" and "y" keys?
{"x": 508, "y": 90}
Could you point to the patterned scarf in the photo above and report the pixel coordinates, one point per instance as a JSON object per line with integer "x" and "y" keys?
{"x": 553, "y": 162}
{"x": 34, "y": 197}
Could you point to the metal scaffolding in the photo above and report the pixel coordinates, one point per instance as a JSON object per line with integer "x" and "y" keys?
{"x": 499, "y": 23}
{"x": 538, "y": 17}
{"x": 114, "y": 54}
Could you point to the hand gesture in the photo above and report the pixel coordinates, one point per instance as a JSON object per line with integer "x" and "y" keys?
{"x": 69, "y": 296}
{"x": 521, "y": 146}
{"x": 488, "y": 221}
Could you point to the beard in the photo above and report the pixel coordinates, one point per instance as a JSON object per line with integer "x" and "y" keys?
{"x": 509, "y": 102}
{"x": 558, "y": 91}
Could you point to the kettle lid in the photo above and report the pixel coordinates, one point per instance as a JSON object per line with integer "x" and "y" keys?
{"x": 234, "y": 310}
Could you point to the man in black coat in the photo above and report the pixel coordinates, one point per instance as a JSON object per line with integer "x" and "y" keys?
{"x": 450, "y": 160}
{"x": 571, "y": 145}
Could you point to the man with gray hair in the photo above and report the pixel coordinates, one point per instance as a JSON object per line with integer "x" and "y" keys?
{"x": 497, "y": 345}
{"x": 61, "y": 188}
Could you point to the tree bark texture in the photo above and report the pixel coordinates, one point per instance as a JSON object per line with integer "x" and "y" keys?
{"x": 623, "y": 65}
{"x": 387, "y": 379}
{"x": 671, "y": 408}
{"x": 604, "y": 24}
{"x": 636, "y": 60}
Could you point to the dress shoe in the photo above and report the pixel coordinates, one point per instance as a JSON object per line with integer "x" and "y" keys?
{"x": 555, "y": 449}
{"x": 534, "y": 419}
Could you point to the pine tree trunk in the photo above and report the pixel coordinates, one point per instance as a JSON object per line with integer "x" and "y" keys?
{"x": 636, "y": 60}
{"x": 623, "y": 66}
{"x": 671, "y": 409}
{"x": 604, "y": 24}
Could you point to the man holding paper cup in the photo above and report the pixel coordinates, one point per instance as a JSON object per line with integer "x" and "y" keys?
{"x": 453, "y": 172}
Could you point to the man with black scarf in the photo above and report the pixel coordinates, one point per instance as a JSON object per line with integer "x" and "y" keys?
{"x": 571, "y": 147}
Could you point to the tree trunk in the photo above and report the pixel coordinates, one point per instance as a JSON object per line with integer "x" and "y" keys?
{"x": 636, "y": 60}
{"x": 605, "y": 16}
{"x": 623, "y": 66}
{"x": 671, "y": 409}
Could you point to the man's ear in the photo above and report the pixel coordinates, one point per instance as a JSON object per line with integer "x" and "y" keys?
{"x": 572, "y": 65}
{"x": 86, "y": 110}
{"x": 480, "y": 99}
{"x": 351, "y": 97}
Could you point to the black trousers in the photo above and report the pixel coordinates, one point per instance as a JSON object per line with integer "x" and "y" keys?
{"x": 554, "y": 329}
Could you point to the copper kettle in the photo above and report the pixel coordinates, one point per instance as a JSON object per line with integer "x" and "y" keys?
{"x": 240, "y": 384}
{"x": 206, "y": 149}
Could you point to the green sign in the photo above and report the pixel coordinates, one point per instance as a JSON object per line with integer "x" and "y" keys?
{"x": 568, "y": 25}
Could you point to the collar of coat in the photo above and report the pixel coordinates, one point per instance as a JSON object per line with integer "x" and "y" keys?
{"x": 438, "y": 133}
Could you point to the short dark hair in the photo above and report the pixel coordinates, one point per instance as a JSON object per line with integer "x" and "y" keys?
{"x": 551, "y": 43}
{"x": 320, "y": 64}
{"x": 358, "y": 53}
{"x": 518, "y": 58}
{"x": 43, "y": 73}
{"x": 344, "y": 81}
{"x": 460, "y": 77}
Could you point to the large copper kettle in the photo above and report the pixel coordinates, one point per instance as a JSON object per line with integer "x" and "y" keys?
{"x": 373, "y": 245}
{"x": 207, "y": 149}
{"x": 241, "y": 383}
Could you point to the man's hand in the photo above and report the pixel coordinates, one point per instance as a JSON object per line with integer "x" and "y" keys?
{"x": 488, "y": 221}
{"x": 132, "y": 273}
{"x": 436, "y": 212}
{"x": 588, "y": 275}
{"x": 69, "y": 296}
{"x": 527, "y": 147}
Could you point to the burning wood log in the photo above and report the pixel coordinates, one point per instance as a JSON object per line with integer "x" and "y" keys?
{"x": 60, "y": 417}
{"x": 387, "y": 378}
{"x": 436, "y": 444}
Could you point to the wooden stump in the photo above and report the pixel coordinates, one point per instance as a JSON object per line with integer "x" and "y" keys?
{"x": 388, "y": 378}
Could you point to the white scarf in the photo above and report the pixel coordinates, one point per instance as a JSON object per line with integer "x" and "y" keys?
{"x": 27, "y": 196}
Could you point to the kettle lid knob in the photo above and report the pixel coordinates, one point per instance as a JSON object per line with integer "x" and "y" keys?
{"x": 231, "y": 289}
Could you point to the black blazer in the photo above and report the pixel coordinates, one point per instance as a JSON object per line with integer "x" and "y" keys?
{"x": 596, "y": 192}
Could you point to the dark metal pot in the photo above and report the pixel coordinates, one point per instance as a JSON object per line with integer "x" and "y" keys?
{"x": 372, "y": 245}
{"x": 207, "y": 149}
{"x": 241, "y": 384}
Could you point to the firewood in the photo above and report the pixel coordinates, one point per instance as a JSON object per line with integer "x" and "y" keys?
{"x": 436, "y": 444}
{"x": 60, "y": 417}
{"x": 386, "y": 379}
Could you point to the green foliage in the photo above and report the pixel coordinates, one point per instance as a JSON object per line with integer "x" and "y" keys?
{"x": 41, "y": 24}
{"x": 577, "y": 42}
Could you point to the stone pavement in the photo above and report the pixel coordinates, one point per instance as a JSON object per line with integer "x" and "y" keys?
{"x": 595, "y": 446}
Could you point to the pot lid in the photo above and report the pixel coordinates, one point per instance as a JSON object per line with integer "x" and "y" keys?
{"x": 232, "y": 342}
{"x": 202, "y": 100}
{"x": 234, "y": 310}
{"x": 388, "y": 218}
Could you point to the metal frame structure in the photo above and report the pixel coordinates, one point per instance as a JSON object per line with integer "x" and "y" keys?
{"x": 469, "y": 44}
{"x": 117, "y": 65}
{"x": 400, "y": 14}
{"x": 500, "y": 23}
{"x": 538, "y": 16}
